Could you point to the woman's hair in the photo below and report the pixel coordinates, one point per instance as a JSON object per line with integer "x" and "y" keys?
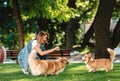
{"x": 40, "y": 35}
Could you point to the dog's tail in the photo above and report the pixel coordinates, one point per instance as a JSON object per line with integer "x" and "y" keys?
{"x": 112, "y": 53}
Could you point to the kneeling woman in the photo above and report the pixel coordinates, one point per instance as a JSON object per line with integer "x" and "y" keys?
{"x": 34, "y": 47}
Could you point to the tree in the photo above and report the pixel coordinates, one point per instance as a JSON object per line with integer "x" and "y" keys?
{"x": 102, "y": 26}
{"x": 114, "y": 35}
{"x": 19, "y": 23}
{"x": 115, "y": 40}
{"x": 89, "y": 33}
{"x": 85, "y": 13}
{"x": 71, "y": 28}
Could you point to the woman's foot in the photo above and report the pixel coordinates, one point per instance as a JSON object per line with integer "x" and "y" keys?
{"x": 25, "y": 72}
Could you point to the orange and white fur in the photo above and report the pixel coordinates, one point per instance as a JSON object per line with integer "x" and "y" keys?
{"x": 97, "y": 64}
{"x": 46, "y": 67}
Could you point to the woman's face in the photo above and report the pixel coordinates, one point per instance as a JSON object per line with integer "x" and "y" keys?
{"x": 44, "y": 38}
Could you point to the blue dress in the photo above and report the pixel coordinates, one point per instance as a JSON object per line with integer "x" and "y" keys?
{"x": 23, "y": 55}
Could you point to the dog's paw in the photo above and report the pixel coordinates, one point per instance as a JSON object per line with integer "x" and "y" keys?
{"x": 45, "y": 74}
{"x": 90, "y": 71}
{"x": 106, "y": 70}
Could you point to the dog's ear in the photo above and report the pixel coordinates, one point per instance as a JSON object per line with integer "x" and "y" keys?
{"x": 63, "y": 59}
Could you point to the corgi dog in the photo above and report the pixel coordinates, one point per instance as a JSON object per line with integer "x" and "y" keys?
{"x": 46, "y": 67}
{"x": 97, "y": 64}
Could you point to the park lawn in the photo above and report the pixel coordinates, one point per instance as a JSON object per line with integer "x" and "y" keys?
{"x": 72, "y": 72}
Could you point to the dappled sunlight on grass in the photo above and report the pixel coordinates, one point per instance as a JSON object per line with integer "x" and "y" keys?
{"x": 72, "y": 72}
{"x": 75, "y": 66}
{"x": 9, "y": 68}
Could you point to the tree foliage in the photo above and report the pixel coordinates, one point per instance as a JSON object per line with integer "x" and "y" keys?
{"x": 50, "y": 9}
{"x": 51, "y": 15}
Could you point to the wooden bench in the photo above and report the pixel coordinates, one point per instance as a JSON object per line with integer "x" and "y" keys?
{"x": 12, "y": 54}
{"x": 60, "y": 53}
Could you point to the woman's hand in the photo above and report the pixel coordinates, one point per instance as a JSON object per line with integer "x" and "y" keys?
{"x": 56, "y": 48}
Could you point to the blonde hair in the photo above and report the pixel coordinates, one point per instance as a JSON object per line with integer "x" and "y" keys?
{"x": 40, "y": 35}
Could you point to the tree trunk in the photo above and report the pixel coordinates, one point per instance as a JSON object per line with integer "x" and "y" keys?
{"x": 90, "y": 32}
{"x": 19, "y": 24}
{"x": 102, "y": 26}
{"x": 87, "y": 36}
{"x": 116, "y": 35}
{"x": 72, "y": 26}
{"x": 70, "y": 34}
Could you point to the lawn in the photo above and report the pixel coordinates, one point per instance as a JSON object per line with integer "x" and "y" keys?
{"x": 73, "y": 72}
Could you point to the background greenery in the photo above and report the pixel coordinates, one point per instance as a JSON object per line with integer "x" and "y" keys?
{"x": 56, "y": 14}
{"x": 64, "y": 20}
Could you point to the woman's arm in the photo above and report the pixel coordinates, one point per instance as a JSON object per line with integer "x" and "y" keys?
{"x": 37, "y": 48}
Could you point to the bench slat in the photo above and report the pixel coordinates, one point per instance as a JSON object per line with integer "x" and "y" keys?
{"x": 12, "y": 54}
{"x": 64, "y": 52}
{"x": 60, "y": 53}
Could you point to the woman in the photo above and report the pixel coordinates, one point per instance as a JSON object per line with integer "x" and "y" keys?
{"x": 34, "y": 48}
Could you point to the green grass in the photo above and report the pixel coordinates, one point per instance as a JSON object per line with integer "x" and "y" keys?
{"x": 73, "y": 72}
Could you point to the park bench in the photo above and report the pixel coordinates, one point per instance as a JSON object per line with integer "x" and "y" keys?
{"x": 12, "y": 54}
{"x": 61, "y": 53}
